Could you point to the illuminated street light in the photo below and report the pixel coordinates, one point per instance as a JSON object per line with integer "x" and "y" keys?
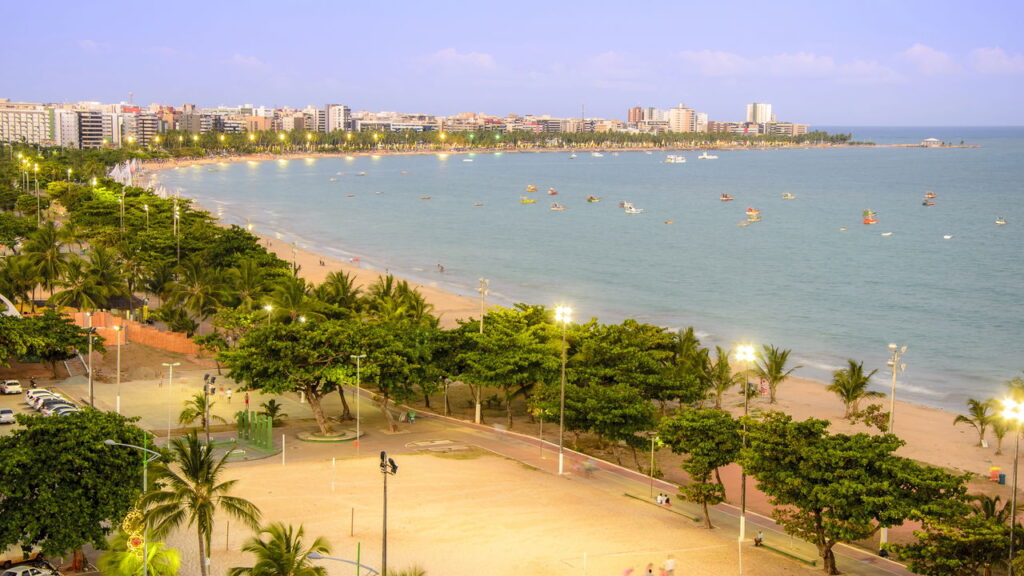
{"x": 563, "y": 315}
{"x": 745, "y": 354}
{"x": 357, "y": 358}
{"x": 151, "y": 455}
{"x": 1013, "y": 412}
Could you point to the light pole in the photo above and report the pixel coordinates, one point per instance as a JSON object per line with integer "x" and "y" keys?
{"x": 387, "y": 468}
{"x": 269, "y": 308}
{"x": 1013, "y": 411}
{"x": 356, "y": 563}
{"x": 745, "y": 354}
{"x": 147, "y": 459}
{"x": 896, "y": 367}
{"x": 208, "y": 382}
{"x": 654, "y": 440}
{"x": 39, "y": 211}
{"x": 357, "y": 358}
{"x": 121, "y": 201}
{"x": 92, "y": 332}
{"x": 117, "y": 331}
{"x": 483, "y": 294}
{"x": 170, "y": 391}
{"x": 145, "y": 208}
{"x": 563, "y": 315}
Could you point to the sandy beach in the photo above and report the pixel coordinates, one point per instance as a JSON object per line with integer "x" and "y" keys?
{"x": 929, "y": 432}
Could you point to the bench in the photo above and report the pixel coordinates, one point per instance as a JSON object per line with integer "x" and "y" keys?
{"x": 789, "y": 555}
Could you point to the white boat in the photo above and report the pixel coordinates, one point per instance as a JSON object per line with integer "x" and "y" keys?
{"x": 705, "y": 156}
{"x": 675, "y": 159}
{"x": 597, "y": 155}
{"x": 572, "y": 156}
{"x": 629, "y": 208}
{"x": 788, "y": 196}
{"x": 467, "y": 159}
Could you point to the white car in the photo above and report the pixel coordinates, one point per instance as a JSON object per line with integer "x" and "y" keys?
{"x": 31, "y": 394}
{"x": 26, "y": 570}
{"x": 10, "y": 387}
{"x": 6, "y": 416}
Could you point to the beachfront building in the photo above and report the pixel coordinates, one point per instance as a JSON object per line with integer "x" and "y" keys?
{"x": 25, "y": 122}
{"x": 681, "y": 119}
{"x": 759, "y": 113}
{"x": 337, "y": 117}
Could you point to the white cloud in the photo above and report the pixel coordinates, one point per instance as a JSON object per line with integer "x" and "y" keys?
{"x": 786, "y": 65}
{"x": 997, "y": 61}
{"x": 93, "y": 46}
{"x": 250, "y": 62}
{"x": 929, "y": 61}
{"x": 613, "y": 70}
{"x": 453, "y": 60}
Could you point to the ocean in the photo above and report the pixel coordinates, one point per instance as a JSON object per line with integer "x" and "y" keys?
{"x": 943, "y": 280}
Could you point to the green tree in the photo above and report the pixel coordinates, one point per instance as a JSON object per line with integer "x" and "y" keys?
{"x": 833, "y": 488}
{"x": 192, "y": 492}
{"x": 119, "y": 560}
{"x": 273, "y": 409}
{"x": 58, "y": 338}
{"x": 62, "y": 487}
{"x": 709, "y": 439}
{"x": 722, "y": 376}
{"x": 850, "y": 384}
{"x": 958, "y": 545}
{"x": 280, "y": 551}
{"x": 43, "y": 248}
{"x": 199, "y": 289}
{"x": 197, "y": 408}
{"x": 979, "y": 417}
{"x": 771, "y": 365}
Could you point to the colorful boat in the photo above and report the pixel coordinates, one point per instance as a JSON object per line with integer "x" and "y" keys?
{"x": 593, "y": 198}
{"x": 929, "y": 194}
{"x": 525, "y": 200}
{"x": 531, "y": 188}
{"x": 557, "y": 206}
{"x": 788, "y": 196}
{"x": 869, "y": 217}
{"x": 753, "y": 217}
{"x": 726, "y": 198}
{"x": 552, "y": 191}
{"x": 753, "y": 211}
{"x": 927, "y": 203}
{"x": 1000, "y": 221}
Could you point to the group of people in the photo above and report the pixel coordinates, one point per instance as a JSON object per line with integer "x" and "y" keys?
{"x": 663, "y": 499}
{"x": 667, "y": 569}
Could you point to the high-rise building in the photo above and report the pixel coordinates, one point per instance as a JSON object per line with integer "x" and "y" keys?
{"x": 25, "y": 122}
{"x": 338, "y": 117}
{"x": 636, "y": 114}
{"x": 90, "y": 128}
{"x": 65, "y": 124}
{"x": 681, "y": 119}
{"x": 759, "y": 113}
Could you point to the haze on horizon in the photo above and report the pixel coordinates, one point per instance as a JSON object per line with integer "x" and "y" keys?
{"x": 868, "y": 62}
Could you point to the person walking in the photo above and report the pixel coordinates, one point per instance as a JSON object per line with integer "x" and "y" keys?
{"x": 670, "y": 566}
{"x": 227, "y": 393}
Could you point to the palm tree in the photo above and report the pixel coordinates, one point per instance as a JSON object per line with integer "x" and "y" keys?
{"x": 273, "y": 409}
{"x": 771, "y": 365}
{"x": 80, "y": 288}
{"x": 290, "y": 299}
{"x": 197, "y": 409}
{"x": 722, "y": 376}
{"x": 198, "y": 289}
{"x": 980, "y": 417}
{"x": 19, "y": 278}
{"x": 340, "y": 290}
{"x": 43, "y": 249}
{"x": 193, "y": 492}
{"x": 282, "y": 553}
{"x": 248, "y": 281}
{"x": 850, "y": 384}
{"x": 106, "y": 271}
{"x": 118, "y": 560}
{"x": 1000, "y": 427}
{"x": 158, "y": 279}
{"x": 990, "y": 508}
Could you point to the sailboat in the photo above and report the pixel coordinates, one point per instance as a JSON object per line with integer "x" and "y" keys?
{"x": 869, "y": 217}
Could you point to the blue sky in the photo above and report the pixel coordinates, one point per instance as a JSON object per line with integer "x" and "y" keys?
{"x": 824, "y": 62}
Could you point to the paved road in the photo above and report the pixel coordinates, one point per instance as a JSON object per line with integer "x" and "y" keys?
{"x": 157, "y": 404}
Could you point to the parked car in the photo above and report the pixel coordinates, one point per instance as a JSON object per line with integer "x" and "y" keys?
{"x": 42, "y": 399}
{"x": 65, "y": 410}
{"x": 6, "y": 416}
{"x": 48, "y": 408}
{"x": 32, "y": 394}
{"x": 27, "y": 570}
{"x": 10, "y": 387}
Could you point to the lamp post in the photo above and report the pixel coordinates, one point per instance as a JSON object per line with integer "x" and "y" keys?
{"x": 387, "y": 468}
{"x": 170, "y": 391}
{"x": 117, "y": 331}
{"x": 1013, "y": 411}
{"x": 356, "y": 563}
{"x": 745, "y": 354}
{"x": 483, "y": 294}
{"x": 92, "y": 332}
{"x": 896, "y": 367}
{"x": 269, "y": 308}
{"x": 147, "y": 459}
{"x": 563, "y": 315}
{"x": 357, "y": 358}
{"x": 145, "y": 208}
{"x": 654, "y": 440}
{"x": 39, "y": 210}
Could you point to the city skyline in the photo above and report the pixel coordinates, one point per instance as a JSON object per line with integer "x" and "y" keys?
{"x": 869, "y": 63}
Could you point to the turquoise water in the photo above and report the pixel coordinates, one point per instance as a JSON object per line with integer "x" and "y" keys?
{"x": 795, "y": 279}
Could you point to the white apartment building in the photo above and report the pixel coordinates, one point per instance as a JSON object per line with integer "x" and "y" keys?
{"x": 759, "y": 113}
{"x": 338, "y": 117}
{"x": 65, "y": 123}
{"x": 681, "y": 119}
{"x": 25, "y": 122}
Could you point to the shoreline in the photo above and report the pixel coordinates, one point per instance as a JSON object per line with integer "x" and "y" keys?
{"x": 929, "y": 432}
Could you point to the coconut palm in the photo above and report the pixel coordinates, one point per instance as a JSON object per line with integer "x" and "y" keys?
{"x": 291, "y": 300}
{"x": 771, "y": 365}
{"x": 157, "y": 280}
{"x": 106, "y": 270}
{"x": 850, "y": 384}
{"x": 19, "y": 278}
{"x": 980, "y": 416}
{"x": 273, "y": 409}
{"x": 43, "y": 248}
{"x": 990, "y": 507}
{"x": 1000, "y": 427}
{"x": 118, "y": 560}
{"x": 80, "y": 289}
{"x": 282, "y": 553}
{"x": 196, "y": 409}
{"x": 192, "y": 492}
{"x": 340, "y": 290}
{"x": 199, "y": 288}
{"x": 721, "y": 375}
{"x": 248, "y": 280}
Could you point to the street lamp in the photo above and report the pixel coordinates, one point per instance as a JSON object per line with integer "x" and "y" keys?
{"x": 208, "y": 382}
{"x": 1013, "y": 411}
{"x": 117, "y": 332}
{"x": 387, "y": 468}
{"x": 356, "y": 563}
{"x": 170, "y": 391}
{"x": 896, "y": 367}
{"x": 745, "y": 354}
{"x": 563, "y": 315}
{"x": 39, "y": 211}
{"x": 269, "y": 308}
{"x": 357, "y": 358}
{"x": 150, "y": 457}
{"x": 483, "y": 294}
{"x": 145, "y": 208}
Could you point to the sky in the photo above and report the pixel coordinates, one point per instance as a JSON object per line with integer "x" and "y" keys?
{"x": 823, "y": 62}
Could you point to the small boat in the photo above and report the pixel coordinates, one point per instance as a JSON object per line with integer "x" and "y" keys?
{"x": 869, "y": 217}
{"x": 362, "y": 174}
{"x": 1000, "y": 221}
{"x": 753, "y": 211}
{"x": 753, "y": 217}
{"x": 404, "y": 172}
{"x": 886, "y": 233}
{"x": 424, "y": 197}
{"x": 675, "y": 159}
{"x": 629, "y": 208}
{"x": 593, "y": 198}
{"x": 597, "y": 155}
{"x": 670, "y": 222}
{"x": 572, "y": 156}
{"x": 947, "y": 236}
{"x": 525, "y": 200}
{"x": 929, "y": 194}
{"x": 478, "y": 204}
{"x": 788, "y": 196}
{"x": 531, "y": 188}
{"x": 350, "y": 195}
{"x": 927, "y": 203}
{"x": 726, "y": 198}
{"x": 842, "y": 228}
{"x": 552, "y": 191}
{"x": 557, "y": 206}
{"x": 705, "y": 156}
{"x": 467, "y": 159}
